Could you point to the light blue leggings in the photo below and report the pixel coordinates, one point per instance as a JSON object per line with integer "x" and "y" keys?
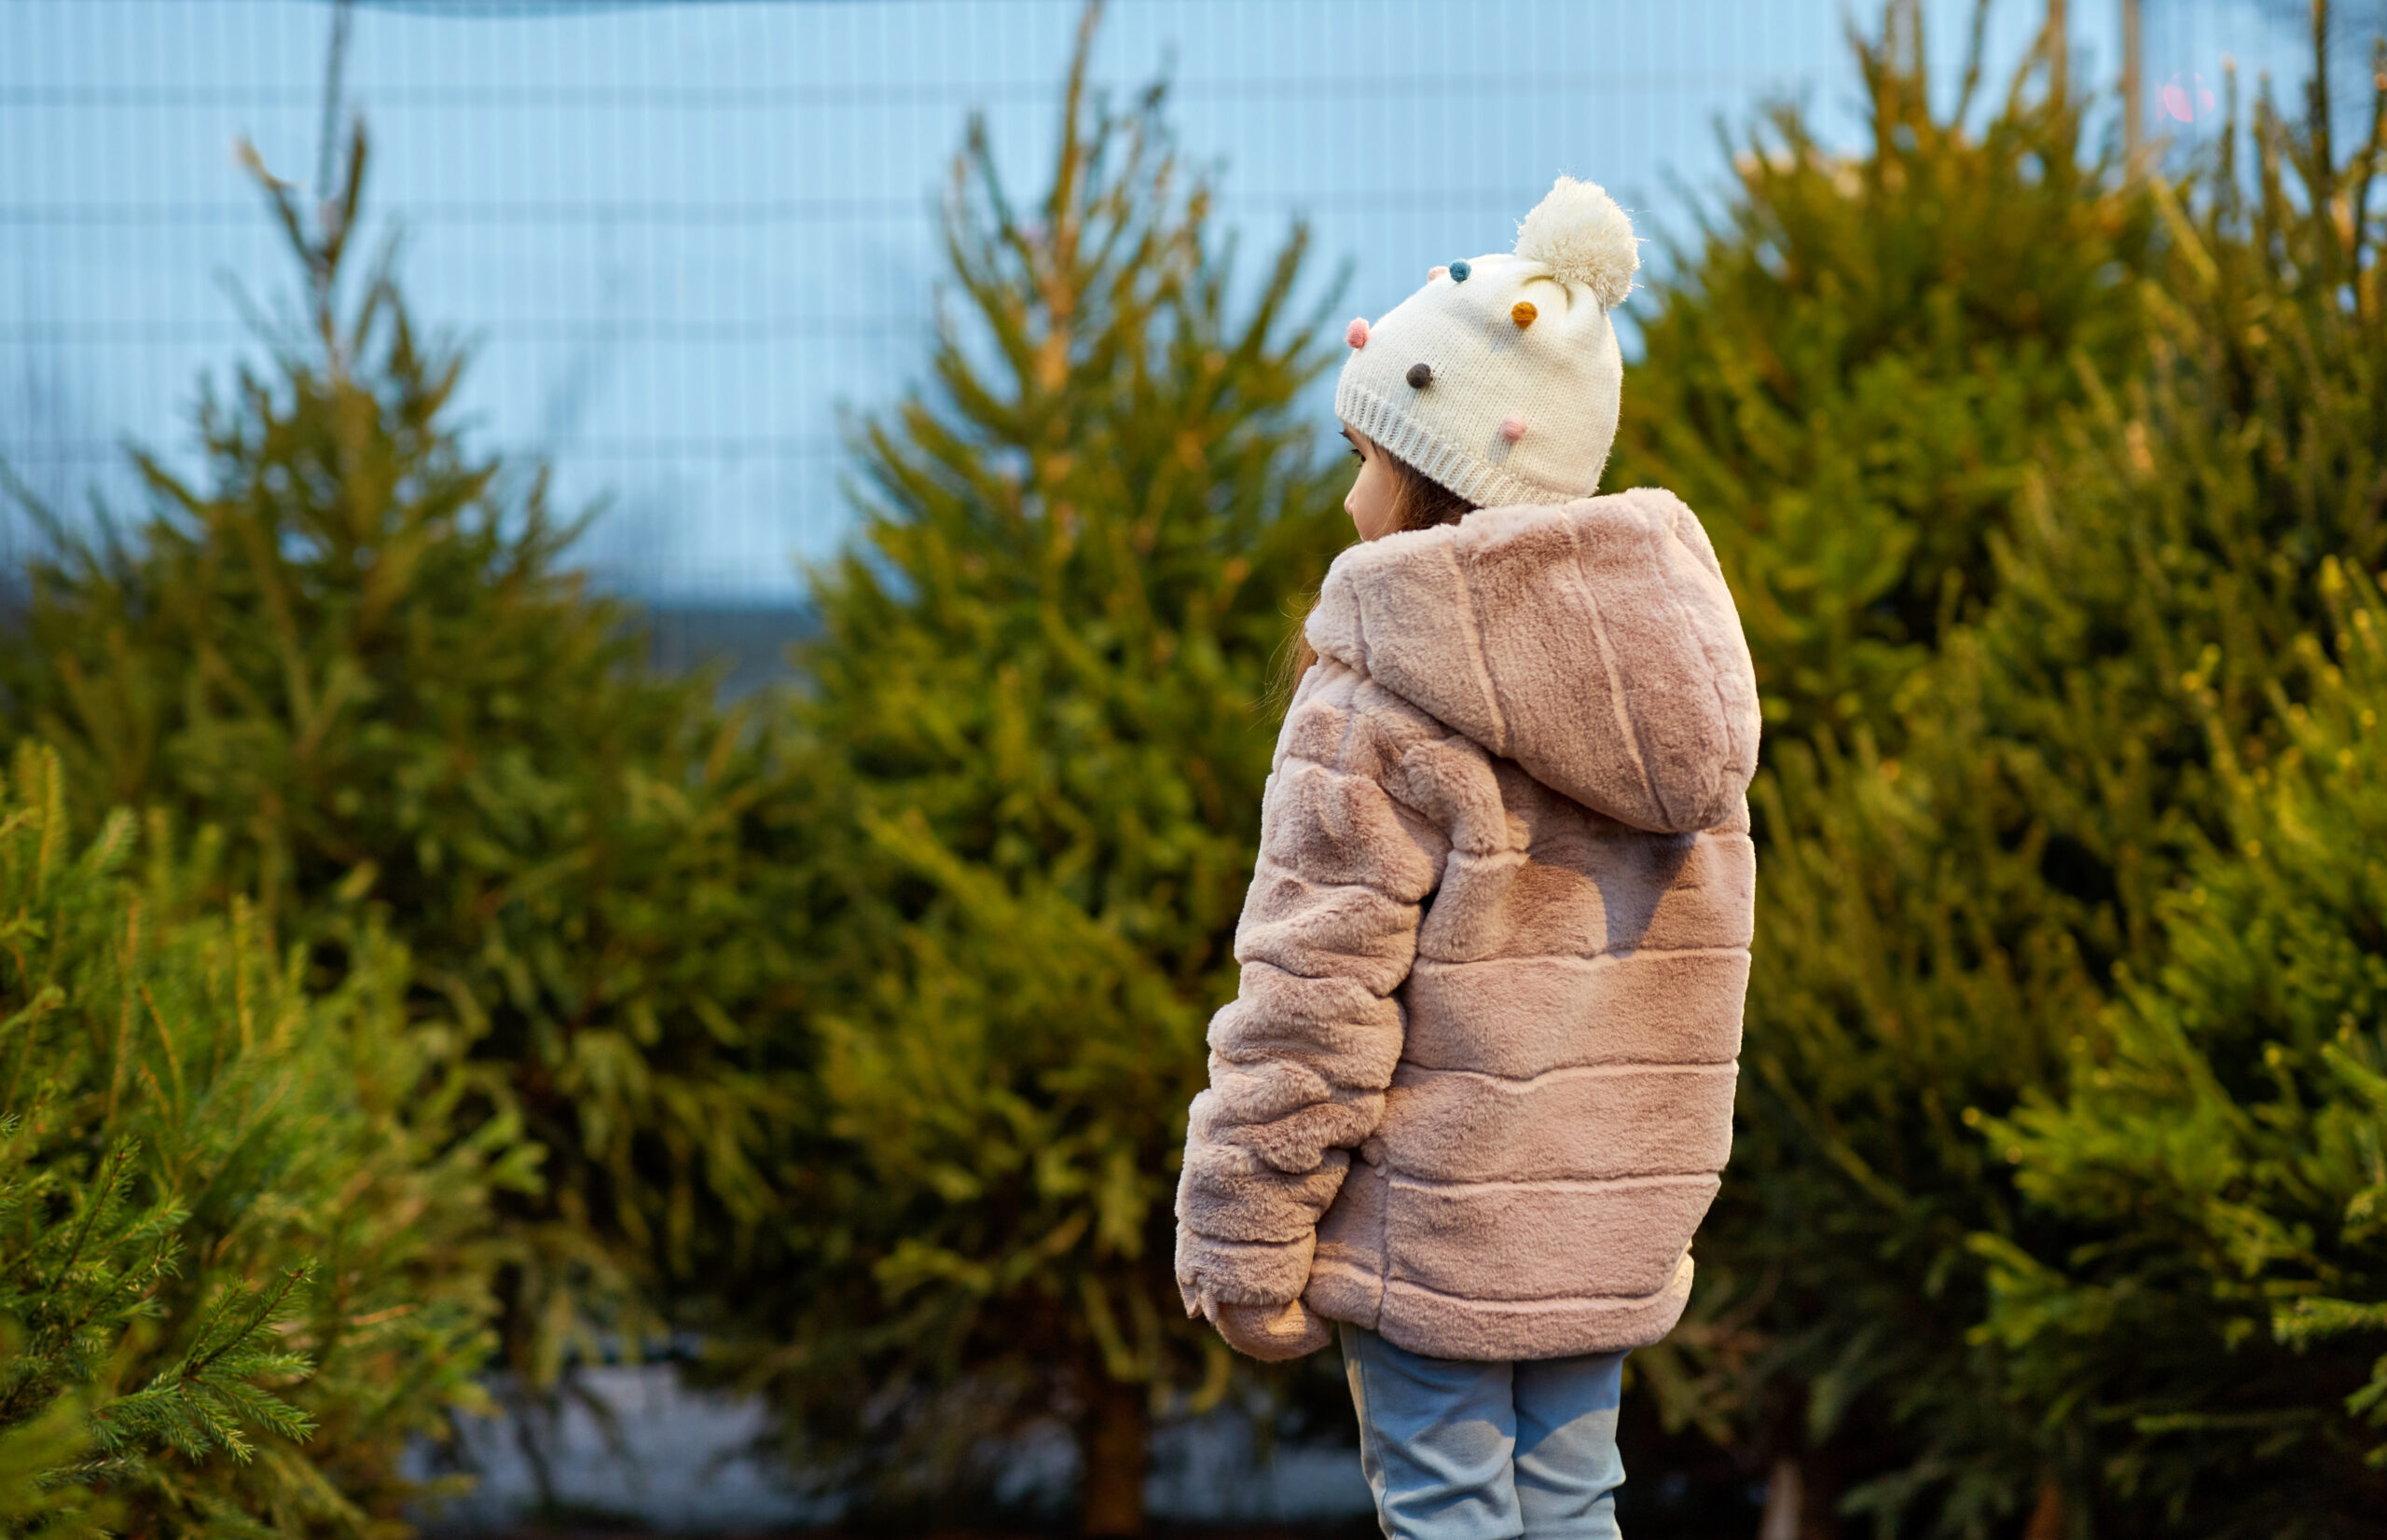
{"x": 1457, "y": 1450}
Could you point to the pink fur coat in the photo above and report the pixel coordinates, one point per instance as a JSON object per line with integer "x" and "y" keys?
{"x": 1477, "y": 1086}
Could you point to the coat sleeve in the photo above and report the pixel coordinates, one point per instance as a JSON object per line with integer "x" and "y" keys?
{"x": 1301, "y": 1059}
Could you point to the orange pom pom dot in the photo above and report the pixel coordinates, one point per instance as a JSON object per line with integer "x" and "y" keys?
{"x": 1523, "y": 313}
{"x": 1356, "y": 333}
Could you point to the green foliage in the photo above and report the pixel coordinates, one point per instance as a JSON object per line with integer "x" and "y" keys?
{"x": 1852, "y": 381}
{"x": 1850, "y": 374}
{"x": 2238, "y": 1053}
{"x": 1938, "y": 922}
{"x": 1038, "y": 698}
{"x": 2217, "y": 1142}
{"x": 85, "y": 1269}
{"x": 242, "y": 1260}
{"x": 353, "y": 645}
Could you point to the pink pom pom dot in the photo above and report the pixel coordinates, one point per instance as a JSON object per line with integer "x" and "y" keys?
{"x": 1513, "y": 429}
{"x": 1434, "y": 273}
{"x": 1356, "y": 333}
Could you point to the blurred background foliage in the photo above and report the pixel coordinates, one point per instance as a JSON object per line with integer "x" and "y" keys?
{"x": 1960, "y": 891}
{"x": 356, "y": 651}
{"x": 1034, "y": 714}
{"x": 1849, "y": 363}
{"x": 400, "y": 981}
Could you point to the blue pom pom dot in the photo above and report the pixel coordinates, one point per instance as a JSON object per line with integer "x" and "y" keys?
{"x": 1460, "y": 271}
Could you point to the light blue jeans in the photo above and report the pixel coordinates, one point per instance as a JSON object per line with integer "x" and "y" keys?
{"x": 1457, "y": 1451}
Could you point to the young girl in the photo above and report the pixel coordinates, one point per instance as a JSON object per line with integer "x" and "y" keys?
{"x": 1476, "y": 1089}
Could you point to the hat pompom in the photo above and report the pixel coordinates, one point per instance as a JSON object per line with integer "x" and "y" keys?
{"x": 1580, "y": 234}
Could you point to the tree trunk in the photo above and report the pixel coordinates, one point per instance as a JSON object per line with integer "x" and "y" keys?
{"x": 1113, "y": 1441}
{"x": 1802, "y": 1497}
{"x": 2133, "y": 90}
{"x": 2051, "y": 1519}
{"x": 2058, "y": 49}
{"x": 1784, "y": 1494}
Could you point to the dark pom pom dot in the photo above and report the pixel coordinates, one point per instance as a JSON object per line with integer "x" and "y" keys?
{"x": 1420, "y": 376}
{"x": 1460, "y": 271}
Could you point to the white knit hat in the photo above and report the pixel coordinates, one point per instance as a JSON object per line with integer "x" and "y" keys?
{"x": 1499, "y": 378}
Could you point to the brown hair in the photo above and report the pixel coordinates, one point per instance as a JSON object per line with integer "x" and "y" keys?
{"x": 1418, "y": 502}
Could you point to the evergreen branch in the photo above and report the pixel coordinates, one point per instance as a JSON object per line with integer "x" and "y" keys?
{"x": 108, "y": 1191}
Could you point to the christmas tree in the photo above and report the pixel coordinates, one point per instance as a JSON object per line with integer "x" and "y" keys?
{"x": 2214, "y": 1144}
{"x": 242, "y": 1259}
{"x": 2210, "y": 1301}
{"x": 354, "y": 645}
{"x": 1850, "y": 369}
{"x": 1851, "y": 377}
{"x": 1950, "y": 906}
{"x": 1038, "y": 696}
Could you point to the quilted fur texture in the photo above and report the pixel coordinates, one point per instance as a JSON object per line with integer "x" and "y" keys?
{"x": 1476, "y": 1088}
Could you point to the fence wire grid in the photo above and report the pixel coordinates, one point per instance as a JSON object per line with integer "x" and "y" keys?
{"x": 687, "y": 237}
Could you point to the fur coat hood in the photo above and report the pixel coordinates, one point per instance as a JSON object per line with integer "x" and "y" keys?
{"x": 1476, "y": 1087}
{"x": 1594, "y": 644}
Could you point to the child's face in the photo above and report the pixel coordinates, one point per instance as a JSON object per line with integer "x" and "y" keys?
{"x": 1370, "y": 499}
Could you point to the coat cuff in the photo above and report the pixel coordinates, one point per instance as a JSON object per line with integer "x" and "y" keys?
{"x": 1241, "y": 1272}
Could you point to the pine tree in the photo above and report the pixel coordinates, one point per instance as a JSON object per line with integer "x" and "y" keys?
{"x": 242, "y": 1258}
{"x": 1853, "y": 362}
{"x": 1943, "y": 921}
{"x": 2216, "y": 1144}
{"x": 354, "y": 644}
{"x": 1852, "y": 380}
{"x": 2212, "y": 1137}
{"x": 1037, "y": 695}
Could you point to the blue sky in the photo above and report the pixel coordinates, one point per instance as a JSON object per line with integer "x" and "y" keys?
{"x": 689, "y": 235}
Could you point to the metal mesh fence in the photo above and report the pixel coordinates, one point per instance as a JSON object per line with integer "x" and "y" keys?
{"x": 687, "y": 235}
